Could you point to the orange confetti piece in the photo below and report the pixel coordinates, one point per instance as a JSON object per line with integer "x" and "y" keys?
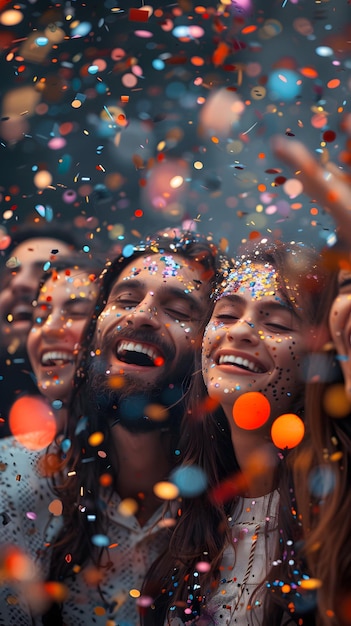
{"x": 105, "y": 480}
{"x": 220, "y": 54}
{"x": 287, "y": 431}
{"x": 332, "y": 196}
{"x": 254, "y": 234}
{"x": 333, "y": 84}
{"x": 197, "y": 61}
{"x": 251, "y": 410}
{"x": 249, "y": 29}
{"x": 309, "y": 72}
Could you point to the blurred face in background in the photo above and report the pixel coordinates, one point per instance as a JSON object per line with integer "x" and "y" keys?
{"x": 20, "y": 285}
{"x": 63, "y": 309}
{"x": 340, "y": 326}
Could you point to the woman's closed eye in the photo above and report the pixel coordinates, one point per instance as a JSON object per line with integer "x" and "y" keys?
{"x": 279, "y": 327}
{"x": 224, "y": 312}
{"x": 76, "y": 313}
{"x": 226, "y": 317}
{"x": 344, "y": 286}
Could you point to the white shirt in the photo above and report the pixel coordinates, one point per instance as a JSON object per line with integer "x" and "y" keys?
{"x": 135, "y": 549}
{"x": 245, "y": 565}
{"x": 26, "y": 528}
{"x": 26, "y": 522}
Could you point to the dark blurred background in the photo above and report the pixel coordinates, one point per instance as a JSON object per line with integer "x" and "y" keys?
{"x": 122, "y": 117}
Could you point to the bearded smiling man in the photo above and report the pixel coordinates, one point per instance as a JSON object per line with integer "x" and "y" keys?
{"x": 147, "y": 333}
{"x": 124, "y": 423}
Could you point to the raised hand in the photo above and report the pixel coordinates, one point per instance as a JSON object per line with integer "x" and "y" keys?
{"x": 328, "y": 185}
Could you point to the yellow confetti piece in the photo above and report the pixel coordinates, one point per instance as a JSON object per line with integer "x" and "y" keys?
{"x": 335, "y": 401}
{"x": 99, "y": 610}
{"x": 128, "y": 507}
{"x": 166, "y": 490}
{"x": 156, "y": 412}
{"x": 311, "y": 583}
{"x": 96, "y": 438}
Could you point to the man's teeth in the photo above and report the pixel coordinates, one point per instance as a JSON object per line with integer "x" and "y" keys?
{"x": 56, "y": 358}
{"x": 238, "y": 360}
{"x": 131, "y": 346}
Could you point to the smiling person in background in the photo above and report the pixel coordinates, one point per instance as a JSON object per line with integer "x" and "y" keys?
{"x": 60, "y": 313}
{"x": 227, "y": 538}
{"x": 323, "y": 467}
{"x": 30, "y": 249}
{"x": 62, "y": 309}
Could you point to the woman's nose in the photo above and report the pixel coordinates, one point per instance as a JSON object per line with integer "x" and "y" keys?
{"x": 243, "y": 330}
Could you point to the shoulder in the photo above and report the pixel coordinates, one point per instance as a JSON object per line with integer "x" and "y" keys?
{"x": 16, "y": 458}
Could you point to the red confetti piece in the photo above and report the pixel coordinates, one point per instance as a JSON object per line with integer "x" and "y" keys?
{"x": 329, "y": 136}
{"x": 220, "y": 53}
{"x": 159, "y": 361}
{"x": 138, "y": 15}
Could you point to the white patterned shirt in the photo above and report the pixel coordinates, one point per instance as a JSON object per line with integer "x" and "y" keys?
{"x": 135, "y": 549}
{"x": 27, "y": 524}
{"x": 245, "y": 565}
{"x": 26, "y": 528}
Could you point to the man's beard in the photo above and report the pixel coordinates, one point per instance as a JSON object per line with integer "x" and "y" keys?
{"x": 126, "y": 405}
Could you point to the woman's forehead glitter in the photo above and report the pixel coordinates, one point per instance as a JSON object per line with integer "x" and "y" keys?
{"x": 262, "y": 279}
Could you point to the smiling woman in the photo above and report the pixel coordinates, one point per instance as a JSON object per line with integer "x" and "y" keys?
{"x": 255, "y": 340}
{"x": 225, "y": 541}
{"x": 322, "y": 466}
{"x": 59, "y": 315}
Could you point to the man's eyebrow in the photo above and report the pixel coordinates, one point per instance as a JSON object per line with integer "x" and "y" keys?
{"x": 164, "y": 290}
{"x": 125, "y": 284}
{"x": 178, "y": 293}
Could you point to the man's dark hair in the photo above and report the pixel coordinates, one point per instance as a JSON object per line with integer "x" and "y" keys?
{"x": 51, "y": 230}
{"x": 82, "y": 458}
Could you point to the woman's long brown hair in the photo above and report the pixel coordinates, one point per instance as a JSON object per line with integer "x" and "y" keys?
{"x": 202, "y": 532}
{"x": 325, "y": 461}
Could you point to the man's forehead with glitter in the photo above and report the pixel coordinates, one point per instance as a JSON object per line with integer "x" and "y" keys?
{"x": 167, "y": 266}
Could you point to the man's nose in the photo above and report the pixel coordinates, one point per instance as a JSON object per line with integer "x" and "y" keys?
{"x": 25, "y": 282}
{"x": 145, "y": 314}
